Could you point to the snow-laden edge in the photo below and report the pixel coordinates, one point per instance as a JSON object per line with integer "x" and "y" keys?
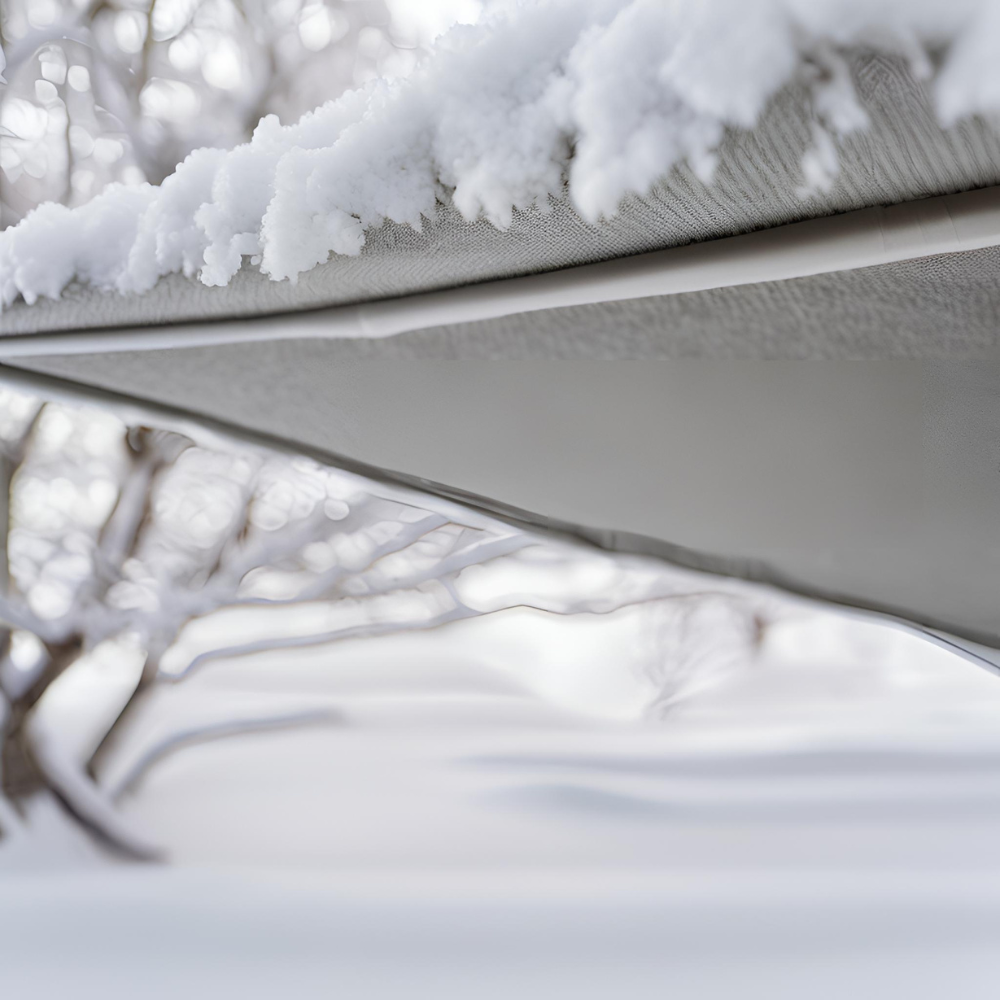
{"x": 602, "y": 96}
{"x": 867, "y": 237}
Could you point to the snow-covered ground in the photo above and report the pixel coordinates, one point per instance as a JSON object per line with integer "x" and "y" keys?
{"x": 439, "y": 752}
{"x": 544, "y": 770}
{"x": 821, "y": 822}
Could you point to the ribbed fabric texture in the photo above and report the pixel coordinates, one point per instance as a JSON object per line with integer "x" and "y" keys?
{"x": 946, "y": 306}
{"x": 903, "y": 156}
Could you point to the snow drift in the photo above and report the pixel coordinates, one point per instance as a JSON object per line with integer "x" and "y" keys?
{"x": 594, "y": 98}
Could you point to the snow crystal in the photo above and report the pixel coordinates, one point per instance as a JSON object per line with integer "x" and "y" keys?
{"x": 600, "y": 96}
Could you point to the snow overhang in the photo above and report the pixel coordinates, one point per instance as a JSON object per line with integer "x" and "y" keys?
{"x": 898, "y": 249}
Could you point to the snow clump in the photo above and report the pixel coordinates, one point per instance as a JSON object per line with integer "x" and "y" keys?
{"x": 599, "y": 98}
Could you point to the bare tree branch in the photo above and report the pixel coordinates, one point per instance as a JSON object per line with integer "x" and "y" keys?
{"x": 222, "y": 586}
{"x": 417, "y": 530}
{"x": 453, "y": 564}
{"x": 327, "y": 581}
{"x": 151, "y": 451}
{"x": 86, "y": 800}
{"x": 365, "y": 630}
{"x": 215, "y": 731}
{"x": 8, "y": 815}
{"x": 11, "y": 460}
{"x": 458, "y": 612}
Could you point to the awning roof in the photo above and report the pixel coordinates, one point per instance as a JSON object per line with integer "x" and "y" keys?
{"x": 904, "y": 155}
{"x": 870, "y": 483}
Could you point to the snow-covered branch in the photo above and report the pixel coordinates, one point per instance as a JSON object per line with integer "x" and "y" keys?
{"x": 214, "y": 731}
{"x": 326, "y": 582}
{"x": 222, "y": 586}
{"x": 362, "y": 631}
{"x": 86, "y": 800}
{"x": 8, "y": 816}
{"x": 150, "y": 451}
{"x": 11, "y": 456}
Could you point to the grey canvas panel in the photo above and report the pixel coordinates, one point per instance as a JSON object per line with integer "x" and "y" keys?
{"x": 874, "y": 482}
{"x": 945, "y": 306}
{"x": 904, "y": 156}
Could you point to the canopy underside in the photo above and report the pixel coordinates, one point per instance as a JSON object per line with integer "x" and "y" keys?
{"x": 874, "y": 484}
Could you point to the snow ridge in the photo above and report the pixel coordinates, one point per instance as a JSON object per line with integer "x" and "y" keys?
{"x": 598, "y": 96}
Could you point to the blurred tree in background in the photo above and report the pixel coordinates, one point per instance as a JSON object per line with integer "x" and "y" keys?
{"x": 133, "y": 557}
{"x": 122, "y": 90}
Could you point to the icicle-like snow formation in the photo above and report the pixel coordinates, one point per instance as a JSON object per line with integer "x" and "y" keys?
{"x": 603, "y": 95}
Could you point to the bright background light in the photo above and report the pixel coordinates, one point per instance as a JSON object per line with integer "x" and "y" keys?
{"x": 109, "y": 92}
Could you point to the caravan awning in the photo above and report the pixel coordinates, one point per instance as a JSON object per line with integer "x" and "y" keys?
{"x": 474, "y": 361}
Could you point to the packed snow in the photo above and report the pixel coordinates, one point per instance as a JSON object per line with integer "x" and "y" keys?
{"x": 599, "y": 98}
{"x": 822, "y": 823}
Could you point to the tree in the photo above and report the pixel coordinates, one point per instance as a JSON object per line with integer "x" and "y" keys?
{"x": 121, "y": 536}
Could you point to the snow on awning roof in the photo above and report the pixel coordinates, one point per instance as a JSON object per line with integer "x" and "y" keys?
{"x": 853, "y": 285}
{"x": 556, "y": 135}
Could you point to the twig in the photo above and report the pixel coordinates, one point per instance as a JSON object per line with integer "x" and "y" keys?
{"x": 369, "y": 629}
{"x": 86, "y": 800}
{"x": 214, "y": 731}
{"x": 321, "y": 586}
